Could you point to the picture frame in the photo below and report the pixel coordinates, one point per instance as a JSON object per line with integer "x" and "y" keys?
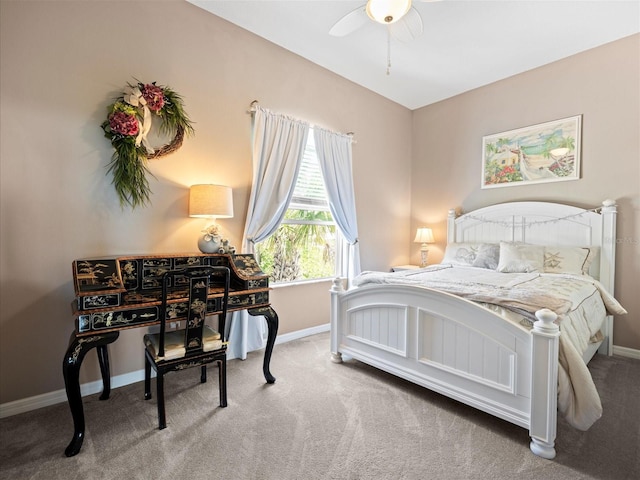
{"x": 546, "y": 152}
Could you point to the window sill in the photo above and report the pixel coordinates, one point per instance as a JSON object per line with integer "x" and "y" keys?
{"x": 301, "y": 282}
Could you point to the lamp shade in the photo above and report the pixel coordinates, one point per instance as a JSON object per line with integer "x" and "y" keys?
{"x": 210, "y": 201}
{"x": 387, "y": 11}
{"x": 424, "y": 235}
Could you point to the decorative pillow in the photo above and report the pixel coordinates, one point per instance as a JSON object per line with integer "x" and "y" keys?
{"x": 574, "y": 260}
{"x": 488, "y": 256}
{"x": 482, "y": 255}
{"x": 520, "y": 258}
{"x": 461, "y": 253}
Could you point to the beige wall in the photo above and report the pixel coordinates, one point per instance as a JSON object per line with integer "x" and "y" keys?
{"x": 603, "y": 85}
{"x": 62, "y": 63}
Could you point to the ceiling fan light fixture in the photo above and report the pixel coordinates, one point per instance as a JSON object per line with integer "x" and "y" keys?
{"x": 387, "y": 11}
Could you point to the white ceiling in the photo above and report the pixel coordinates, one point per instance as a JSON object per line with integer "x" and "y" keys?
{"x": 465, "y": 44}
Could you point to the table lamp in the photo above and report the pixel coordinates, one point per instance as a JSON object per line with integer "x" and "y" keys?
{"x": 211, "y": 202}
{"x": 424, "y": 235}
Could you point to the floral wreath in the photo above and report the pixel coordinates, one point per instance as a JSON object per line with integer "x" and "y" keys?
{"x": 127, "y": 126}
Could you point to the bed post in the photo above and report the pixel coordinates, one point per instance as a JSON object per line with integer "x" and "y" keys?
{"x": 544, "y": 384}
{"x": 451, "y": 226}
{"x": 607, "y": 265}
{"x": 336, "y": 288}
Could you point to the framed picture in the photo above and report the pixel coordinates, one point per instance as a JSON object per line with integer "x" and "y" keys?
{"x": 547, "y": 152}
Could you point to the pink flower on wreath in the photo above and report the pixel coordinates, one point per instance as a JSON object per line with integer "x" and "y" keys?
{"x": 123, "y": 123}
{"x": 154, "y": 97}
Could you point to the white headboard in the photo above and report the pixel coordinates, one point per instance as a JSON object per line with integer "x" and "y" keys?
{"x": 544, "y": 223}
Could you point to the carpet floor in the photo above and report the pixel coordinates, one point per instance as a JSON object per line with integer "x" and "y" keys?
{"x": 320, "y": 420}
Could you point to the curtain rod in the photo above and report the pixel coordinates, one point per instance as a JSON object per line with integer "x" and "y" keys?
{"x": 252, "y": 106}
{"x": 255, "y": 103}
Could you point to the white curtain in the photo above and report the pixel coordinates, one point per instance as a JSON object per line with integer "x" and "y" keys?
{"x": 335, "y": 157}
{"x": 278, "y": 146}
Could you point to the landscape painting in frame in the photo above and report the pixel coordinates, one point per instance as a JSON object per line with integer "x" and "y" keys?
{"x": 547, "y": 152}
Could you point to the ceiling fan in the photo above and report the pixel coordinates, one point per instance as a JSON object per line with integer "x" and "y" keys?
{"x": 403, "y": 20}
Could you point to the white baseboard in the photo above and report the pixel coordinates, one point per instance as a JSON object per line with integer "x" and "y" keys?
{"x": 287, "y": 337}
{"x": 626, "y": 352}
{"x": 46, "y": 399}
{"x": 52, "y": 398}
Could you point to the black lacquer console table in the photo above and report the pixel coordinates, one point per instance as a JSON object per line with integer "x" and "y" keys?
{"x": 119, "y": 293}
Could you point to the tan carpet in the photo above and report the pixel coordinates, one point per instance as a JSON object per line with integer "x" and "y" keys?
{"x": 318, "y": 421}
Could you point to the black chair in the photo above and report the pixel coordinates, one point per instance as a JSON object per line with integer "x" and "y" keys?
{"x": 197, "y": 344}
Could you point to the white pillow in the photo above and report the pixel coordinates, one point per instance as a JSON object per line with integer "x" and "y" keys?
{"x": 461, "y": 253}
{"x": 520, "y": 258}
{"x": 574, "y": 260}
{"x": 467, "y": 254}
{"x": 488, "y": 256}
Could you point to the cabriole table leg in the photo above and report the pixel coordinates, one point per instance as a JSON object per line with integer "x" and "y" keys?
{"x": 272, "y": 324}
{"x": 78, "y": 348}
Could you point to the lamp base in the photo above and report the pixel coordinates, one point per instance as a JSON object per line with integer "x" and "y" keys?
{"x": 215, "y": 244}
{"x": 210, "y": 244}
{"x": 424, "y": 253}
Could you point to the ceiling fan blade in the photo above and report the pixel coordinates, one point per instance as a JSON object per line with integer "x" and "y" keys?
{"x": 350, "y": 22}
{"x": 408, "y": 27}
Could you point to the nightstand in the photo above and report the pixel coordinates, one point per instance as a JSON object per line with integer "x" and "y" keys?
{"x": 400, "y": 268}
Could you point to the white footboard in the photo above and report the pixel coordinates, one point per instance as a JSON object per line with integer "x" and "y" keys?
{"x": 454, "y": 347}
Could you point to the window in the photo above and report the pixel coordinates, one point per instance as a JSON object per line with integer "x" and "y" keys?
{"x": 304, "y": 245}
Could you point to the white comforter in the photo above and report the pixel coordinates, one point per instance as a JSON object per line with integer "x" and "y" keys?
{"x": 581, "y": 303}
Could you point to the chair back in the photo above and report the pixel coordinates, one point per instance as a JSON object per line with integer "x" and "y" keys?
{"x": 194, "y": 283}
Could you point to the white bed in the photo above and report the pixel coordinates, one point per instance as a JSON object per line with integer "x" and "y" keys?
{"x": 466, "y": 351}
